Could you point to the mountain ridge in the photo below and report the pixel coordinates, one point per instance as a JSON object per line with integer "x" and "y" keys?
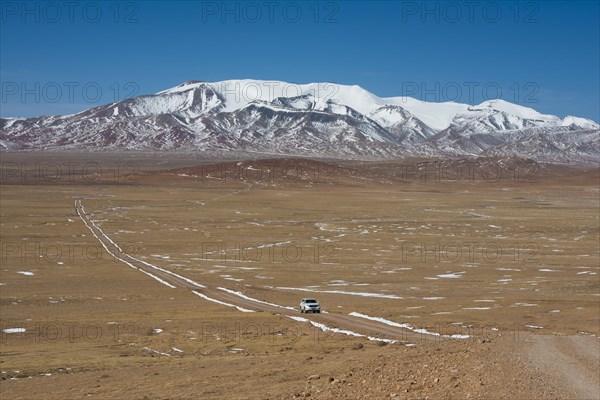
{"x": 307, "y": 119}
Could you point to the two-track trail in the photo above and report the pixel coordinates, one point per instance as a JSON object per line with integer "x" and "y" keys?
{"x": 334, "y": 322}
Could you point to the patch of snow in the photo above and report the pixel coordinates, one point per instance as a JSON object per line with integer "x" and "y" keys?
{"x": 452, "y": 275}
{"x": 524, "y": 305}
{"x": 326, "y": 328}
{"x": 14, "y": 330}
{"x": 205, "y": 297}
{"x": 406, "y": 326}
{"x": 243, "y": 296}
{"x": 534, "y": 327}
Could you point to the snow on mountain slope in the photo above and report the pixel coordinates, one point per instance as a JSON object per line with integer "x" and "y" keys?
{"x": 311, "y": 119}
{"x": 576, "y": 122}
{"x": 233, "y": 95}
{"x": 499, "y": 115}
{"x": 514, "y": 109}
{"x": 188, "y": 103}
{"x": 305, "y": 102}
{"x": 438, "y": 116}
{"x": 402, "y": 123}
{"x": 490, "y": 120}
{"x": 239, "y": 93}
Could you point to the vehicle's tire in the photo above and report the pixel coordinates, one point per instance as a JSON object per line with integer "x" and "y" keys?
{"x": 301, "y": 311}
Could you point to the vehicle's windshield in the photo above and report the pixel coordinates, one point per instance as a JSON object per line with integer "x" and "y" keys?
{"x": 310, "y": 301}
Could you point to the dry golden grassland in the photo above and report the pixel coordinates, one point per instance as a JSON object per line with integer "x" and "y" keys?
{"x": 506, "y": 262}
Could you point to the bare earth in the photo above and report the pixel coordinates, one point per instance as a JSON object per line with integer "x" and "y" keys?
{"x": 178, "y": 278}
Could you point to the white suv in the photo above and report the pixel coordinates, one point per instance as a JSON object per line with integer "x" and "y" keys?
{"x": 310, "y": 305}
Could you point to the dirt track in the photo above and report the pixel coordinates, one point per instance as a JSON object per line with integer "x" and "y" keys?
{"x": 573, "y": 360}
{"x": 332, "y": 320}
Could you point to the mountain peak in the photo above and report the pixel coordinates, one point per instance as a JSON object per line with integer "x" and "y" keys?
{"x": 190, "y": 82}
{"x": 515, "y": 109}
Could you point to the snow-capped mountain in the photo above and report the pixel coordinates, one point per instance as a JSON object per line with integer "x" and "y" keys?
{"x": 322, "y": 119}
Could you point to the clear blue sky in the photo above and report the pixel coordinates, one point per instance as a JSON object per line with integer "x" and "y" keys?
{"x": 545, "y": 55}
